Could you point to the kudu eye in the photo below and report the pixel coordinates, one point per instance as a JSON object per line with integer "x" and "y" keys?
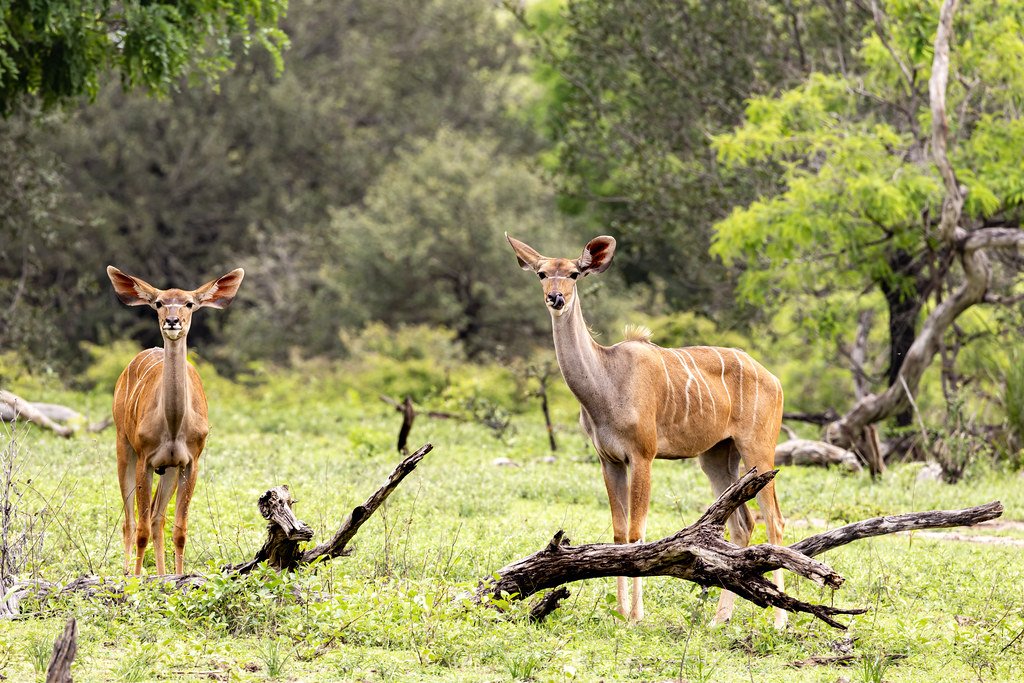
{"x": 159, "y": 305}
{"x": 574, "y": 275}
{"x": 541, "y": 275}
{"x": 188, "y": 305}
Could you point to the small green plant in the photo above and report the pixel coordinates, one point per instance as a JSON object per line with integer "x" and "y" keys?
{"x": 274, "y": 657}
{"x": 38, "y": 652}
{"x": 521, "y": 668}
{"x": 872, "y": 669}
{"x": 699, "y": 670}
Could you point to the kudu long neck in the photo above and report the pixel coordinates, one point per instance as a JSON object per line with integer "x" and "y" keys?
{"x": 175, "y": 383}
{"x": 579, "y": 356}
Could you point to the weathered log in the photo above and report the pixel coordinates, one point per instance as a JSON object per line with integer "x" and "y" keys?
{"x": 807, "y": 452}
{"x": 14, "y": 407}
{"x": 700, "y": 553}
{"x": 64, "y": 649}
{"x": 61, "y": 419}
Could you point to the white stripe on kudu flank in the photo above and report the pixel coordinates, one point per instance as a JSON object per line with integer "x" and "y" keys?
{"x": 757, "y": 384}
{"x": 671, "y": 387}
{"x": 689, "y": 379}
{"x": 740, "y": 362}
{"x": 728, "y": 396}
{"x": 700, "y": 376}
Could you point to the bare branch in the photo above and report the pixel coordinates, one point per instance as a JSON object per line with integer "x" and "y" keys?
{"x": 699, "y": 553}
{"x": 335, "y": 547}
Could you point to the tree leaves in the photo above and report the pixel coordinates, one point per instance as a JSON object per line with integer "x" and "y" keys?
{"x": 54, "y": 52}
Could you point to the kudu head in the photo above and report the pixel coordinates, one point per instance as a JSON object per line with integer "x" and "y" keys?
{"x": 174, "y": 307}
{"x": 558, "y": 275}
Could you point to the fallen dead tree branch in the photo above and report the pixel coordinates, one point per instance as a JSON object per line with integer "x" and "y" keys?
{"x": 337, "y": 545}
{"x": 700, "y": 553}
{"x": 14, "y": 408}
{"x": 281, "y": 551}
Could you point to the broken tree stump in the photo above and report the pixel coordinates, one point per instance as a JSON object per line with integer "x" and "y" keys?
{"x": 284, "y": 532}
{"x": 64, "y": 649}
{"x": 700, "y": 553}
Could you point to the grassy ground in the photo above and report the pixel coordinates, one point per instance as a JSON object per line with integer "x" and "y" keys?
{"x": 945, "y": 610}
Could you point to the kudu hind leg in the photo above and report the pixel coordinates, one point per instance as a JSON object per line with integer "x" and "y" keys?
{"x": 774, "y": 524}
{"x": 762, "y": 458}
{"x": 616, "y": 481}
{"x": 721, "y": 465}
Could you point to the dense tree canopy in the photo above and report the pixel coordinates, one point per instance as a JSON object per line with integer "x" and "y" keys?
{"x": 179, "y": 189}
{"x": 636, "y": 87}
{"x": 54, "y": 51}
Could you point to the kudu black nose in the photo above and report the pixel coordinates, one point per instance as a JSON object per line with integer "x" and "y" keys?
{"x": 556, "y": 300}
{"x": 171, "y": 322}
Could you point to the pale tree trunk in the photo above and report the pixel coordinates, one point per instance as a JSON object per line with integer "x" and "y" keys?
{"x": 855, "y": 428}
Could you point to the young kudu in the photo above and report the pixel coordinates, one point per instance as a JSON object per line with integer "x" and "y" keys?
{"x": 160, "y": 415}
{"x": 639, "y": 402}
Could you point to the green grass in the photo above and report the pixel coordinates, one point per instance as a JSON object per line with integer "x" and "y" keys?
{"x": 392, "y": 611}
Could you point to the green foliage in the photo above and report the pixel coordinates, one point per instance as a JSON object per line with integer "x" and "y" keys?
{"x": 37, "y": 650}
{"x": 427, "y": 245}
{"x": 55, "y": 52}
{"x": 106, "y": 363}
{"x": 632, "y": 90}
{"x": 414, "y": 360}
{"x": 860, "y": 198}
{"x": 851, "y": 198}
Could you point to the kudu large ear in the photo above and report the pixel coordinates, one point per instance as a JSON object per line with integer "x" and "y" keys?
{"x": 220, "y": 292}
{"x": 528, "y": 256}
{"x": 597, "y": 255}
{"x": 131, "y": 290}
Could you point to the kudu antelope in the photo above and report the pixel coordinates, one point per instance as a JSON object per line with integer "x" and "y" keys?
{"x": 160, "y": 415}
{"x": 639, "y": 402}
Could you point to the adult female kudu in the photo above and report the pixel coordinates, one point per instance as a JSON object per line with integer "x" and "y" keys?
{"x": 160, "y": 415}
{"x": 639, "y": 402}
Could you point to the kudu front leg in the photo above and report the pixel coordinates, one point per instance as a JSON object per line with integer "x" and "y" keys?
{"x": 187, "y": 477}
{"x": 639, "y": 504}
{"x": 616, "y": 481}
{"x": 143, "y": 493}
{"x": 127, "y": 462}
{"x": 164, "y": 491}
